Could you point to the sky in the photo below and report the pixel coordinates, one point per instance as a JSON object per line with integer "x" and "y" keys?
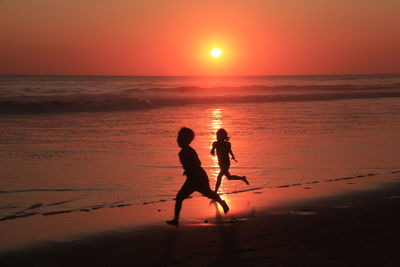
{"x": 174, "y": 37}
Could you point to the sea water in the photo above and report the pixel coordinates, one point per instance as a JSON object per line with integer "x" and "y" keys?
{"x": 73, "y": 144}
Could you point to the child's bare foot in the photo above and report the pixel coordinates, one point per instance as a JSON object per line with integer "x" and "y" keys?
{"x": 225, "y": 206}
{"x": 245, "y": 180}
{"x": 173, "y": 222}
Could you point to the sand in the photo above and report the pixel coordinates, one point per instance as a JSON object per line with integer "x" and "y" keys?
{"x": 331, "y": 224}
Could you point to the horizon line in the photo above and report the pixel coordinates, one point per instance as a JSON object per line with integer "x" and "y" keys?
{"x": 201, "y": 76}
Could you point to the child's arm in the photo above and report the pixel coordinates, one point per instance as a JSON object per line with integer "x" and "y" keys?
{"x": 231, "y": 152}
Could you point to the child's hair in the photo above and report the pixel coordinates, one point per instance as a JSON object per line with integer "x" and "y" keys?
{"x": 185, "y": 135}
{"x": 222, "y": 135}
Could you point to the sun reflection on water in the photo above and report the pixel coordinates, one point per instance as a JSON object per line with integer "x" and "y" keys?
{"x": 216, "y": 123}
{"x": 216, "y": 115}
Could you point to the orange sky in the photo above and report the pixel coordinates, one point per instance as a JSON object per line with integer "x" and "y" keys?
{"x": 173, "y": 37}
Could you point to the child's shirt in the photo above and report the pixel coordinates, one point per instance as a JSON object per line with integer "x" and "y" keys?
{"x": 223, "y": 148}
{"x": 189, "y": 159}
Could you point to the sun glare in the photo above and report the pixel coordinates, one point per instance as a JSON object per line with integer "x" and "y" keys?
{"x": 216, "y": 52}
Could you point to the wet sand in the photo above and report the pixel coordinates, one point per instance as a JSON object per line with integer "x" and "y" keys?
{"x": 294, "y": 226}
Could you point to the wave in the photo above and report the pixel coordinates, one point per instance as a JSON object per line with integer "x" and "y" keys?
{"x": 26, "y": 212}
{"x": 46, "y": 190}
{"x": 18, "y": 106}
{"x": 192, "y": 95}
{"x": 266, "y": 88}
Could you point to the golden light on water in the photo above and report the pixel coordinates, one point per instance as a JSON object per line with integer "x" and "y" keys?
{"x": 216, "y": 120}
{"x": 216, "y": 123}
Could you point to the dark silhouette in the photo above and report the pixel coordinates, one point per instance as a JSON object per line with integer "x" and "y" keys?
{"x": 224, "y": 148}
{"x": 196, "y": 177}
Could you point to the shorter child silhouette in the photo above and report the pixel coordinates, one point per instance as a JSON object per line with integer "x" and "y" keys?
{"x": 196, "y": 177}
{"x": 223, "y": 148}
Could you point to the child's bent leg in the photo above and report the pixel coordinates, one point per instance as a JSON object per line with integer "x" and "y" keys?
{"x": 242, "y": 178}
{"x": 236, "y": 177}
{"x": 219, "y": 179}
{"x": 214, "y": 196}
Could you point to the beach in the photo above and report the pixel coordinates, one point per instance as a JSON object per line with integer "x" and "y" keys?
{"x": 90, "y": 169}
{"x": 199, "y": 133}
{"x": 354, "y": 225}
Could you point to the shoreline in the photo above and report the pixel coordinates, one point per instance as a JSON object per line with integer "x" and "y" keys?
{"x": 32, "y": 210}
{"x": 355, "y": 227}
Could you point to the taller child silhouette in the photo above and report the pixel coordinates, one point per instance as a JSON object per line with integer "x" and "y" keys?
{"x": 196, "y": 177}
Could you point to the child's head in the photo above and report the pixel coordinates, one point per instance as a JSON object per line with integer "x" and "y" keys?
{"x": 185, "y": 136}
{"x": 222, "y": 135}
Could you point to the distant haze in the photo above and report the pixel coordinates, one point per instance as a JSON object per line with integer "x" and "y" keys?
{"x": 174, "y": 37}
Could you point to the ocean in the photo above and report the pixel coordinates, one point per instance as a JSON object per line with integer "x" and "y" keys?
{"x": 80, "y": 143}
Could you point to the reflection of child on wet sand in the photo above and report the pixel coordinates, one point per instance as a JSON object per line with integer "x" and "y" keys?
{"x": 196, "y": 177}
{"x": 223, "y": 148}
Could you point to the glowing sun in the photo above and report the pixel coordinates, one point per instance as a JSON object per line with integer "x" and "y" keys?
{"x": 216, "y": 52}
